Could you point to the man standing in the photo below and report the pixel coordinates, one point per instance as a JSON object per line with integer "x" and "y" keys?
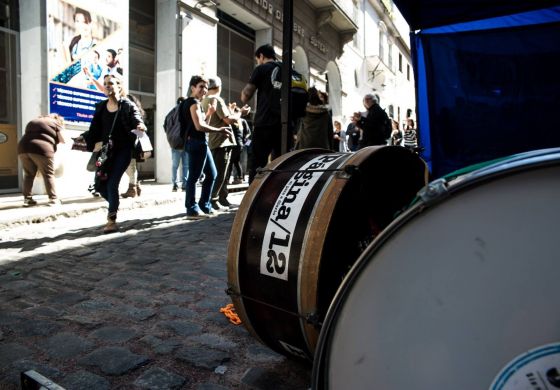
{"x": 220, "y": 144}
{"x": 375, "y": 124}
{"x": 267, "y": 131}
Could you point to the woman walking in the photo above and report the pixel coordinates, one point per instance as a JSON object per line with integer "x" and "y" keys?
{"x": 194, "y": 123}
{"x": 112, "y": 125}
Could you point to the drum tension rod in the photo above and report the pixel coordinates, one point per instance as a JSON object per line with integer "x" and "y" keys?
{"x": 312, "y": 318}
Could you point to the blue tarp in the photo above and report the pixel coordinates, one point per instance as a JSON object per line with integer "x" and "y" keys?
{"x": 487, "y": 87}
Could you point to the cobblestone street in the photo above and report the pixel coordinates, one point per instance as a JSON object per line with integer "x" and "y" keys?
{"x": 138, "y": 309}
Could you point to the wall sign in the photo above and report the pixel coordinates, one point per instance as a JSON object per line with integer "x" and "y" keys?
{"x": 86, "y": 41}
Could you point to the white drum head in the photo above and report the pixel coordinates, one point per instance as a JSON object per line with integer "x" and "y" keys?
{"x": 455, "y": 293}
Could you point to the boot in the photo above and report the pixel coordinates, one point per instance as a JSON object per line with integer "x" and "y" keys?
{"x": 138, "y": 189}
{"x": 111, "y": 226}
{"x": 131, "y": 192}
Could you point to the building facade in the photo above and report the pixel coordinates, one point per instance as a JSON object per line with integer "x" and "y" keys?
{"x": 345, "y": 47}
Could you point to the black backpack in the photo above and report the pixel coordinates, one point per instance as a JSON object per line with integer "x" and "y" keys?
{"x": 299, "y": 95}
{"x": 172, "y": 127}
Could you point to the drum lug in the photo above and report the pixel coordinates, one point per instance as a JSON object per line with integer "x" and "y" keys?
{"x": 347, "y": 172}
{"x": 434, "y": 190}
{"x": 313, "y": 319}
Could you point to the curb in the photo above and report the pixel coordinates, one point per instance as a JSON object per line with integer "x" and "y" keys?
{"x": 72, "y": 208}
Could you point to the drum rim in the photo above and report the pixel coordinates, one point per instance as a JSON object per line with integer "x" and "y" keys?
{"x": 238, "y": 231}
{"x": 311, "y": 255}
{"x": 518, "y": 163}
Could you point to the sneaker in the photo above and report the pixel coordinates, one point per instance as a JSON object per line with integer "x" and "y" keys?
{"x": 225, "y": 203}
{"x": 54, "y": 202}
{"x": 28, "y": 201}
{"x": 211, "y": 213}
{"x": 175, "y": 188}
{"x": 237, "y": 181}
{"x": 218, "y": 206}
{"x": 195, "y": 215}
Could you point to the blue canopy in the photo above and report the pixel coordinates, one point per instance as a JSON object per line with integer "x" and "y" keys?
{"x": 486, "y": 78}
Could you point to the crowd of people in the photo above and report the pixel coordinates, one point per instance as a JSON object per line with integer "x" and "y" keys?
{"x": 214, "y": 135}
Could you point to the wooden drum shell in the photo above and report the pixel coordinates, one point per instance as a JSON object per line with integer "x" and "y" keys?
{"x": 343, "y": 209}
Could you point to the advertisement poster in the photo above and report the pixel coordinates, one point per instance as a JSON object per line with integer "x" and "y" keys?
{"x": 86, "y": 41}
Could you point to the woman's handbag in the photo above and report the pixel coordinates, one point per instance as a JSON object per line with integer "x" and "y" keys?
{"x": 143, "y": 148}
{"x": 92, "y": 163}
{"x": 91, "y": 167}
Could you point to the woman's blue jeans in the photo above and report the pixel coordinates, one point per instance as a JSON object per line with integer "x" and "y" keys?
{"x": 179, "y": 156}
{"x": 110, "y": 190}
{"x": 199, "y": 159}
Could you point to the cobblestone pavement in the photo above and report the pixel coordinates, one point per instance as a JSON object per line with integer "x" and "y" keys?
{"x": 138, "y": 309}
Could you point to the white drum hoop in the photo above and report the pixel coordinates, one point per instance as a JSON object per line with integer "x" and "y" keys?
{"x": 331, "y": 351}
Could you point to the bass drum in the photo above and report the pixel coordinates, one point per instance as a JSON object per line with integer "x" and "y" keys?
{"x": 459, "y": 292}
{"x": 303, "y": 222}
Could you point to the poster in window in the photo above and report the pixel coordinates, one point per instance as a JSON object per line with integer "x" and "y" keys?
{"x": 86, "y": 41}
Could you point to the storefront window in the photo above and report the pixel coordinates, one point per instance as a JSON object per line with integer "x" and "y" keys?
{"x": 9, "y": 16}
{"x": 235, "y": 61}
{"x": 142, "y": 46}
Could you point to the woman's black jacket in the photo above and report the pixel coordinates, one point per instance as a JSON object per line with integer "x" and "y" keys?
{"x": 128, "y": 117}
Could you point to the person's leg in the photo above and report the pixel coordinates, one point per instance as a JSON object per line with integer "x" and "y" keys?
{"x": 196, "y": 151}
{"x": 45, "y": 165}
{"x": 261, "y": 148}
{"x": 218, "y": 155}
{"x": 223, "y": 192}
{"x": 29, "y": 172}
{"x": 120, "y": 162}
{"x": 132, "y": 174}
{"x": 276, "y": 142}
{"x": 235, "y": 164}
{"x": 175, "y": 158}
{"x": 185, "y": 168}
{"x": 210, "y": 175}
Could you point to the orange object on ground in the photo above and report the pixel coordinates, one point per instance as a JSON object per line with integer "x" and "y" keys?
{"x": 229, "y": 312}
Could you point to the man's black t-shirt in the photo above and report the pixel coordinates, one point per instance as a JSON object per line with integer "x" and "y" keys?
{"x": 268, "y": 102}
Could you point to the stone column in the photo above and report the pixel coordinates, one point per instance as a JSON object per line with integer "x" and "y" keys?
{"x": 167, "y": 80}
{"x": 34, "y": 96}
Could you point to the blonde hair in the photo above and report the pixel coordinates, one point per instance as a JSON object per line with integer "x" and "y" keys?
{"x": 123, "y": 91}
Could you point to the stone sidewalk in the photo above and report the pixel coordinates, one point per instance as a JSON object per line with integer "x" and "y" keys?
{"x": 138, "y": 309}
{"x": 153, "y": 194}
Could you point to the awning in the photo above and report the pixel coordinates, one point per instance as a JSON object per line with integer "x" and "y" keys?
{"x": 432, "y": 13}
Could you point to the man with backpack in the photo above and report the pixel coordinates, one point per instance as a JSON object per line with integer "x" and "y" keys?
{"x": 376, "y": 125}
{"x": 267, "y": 130}
{"x": 176, "y": 140}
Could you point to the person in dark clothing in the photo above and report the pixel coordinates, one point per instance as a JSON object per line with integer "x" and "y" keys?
{"x": 36, "y": 151}
{"x": 374, "y": 124}
{"x": 267, "y": 130}
{"x": 353, "y": 133}
{"x": 111, "y": 126}
{"x": 241, "y": 132}
{"x": 317, "y": 129}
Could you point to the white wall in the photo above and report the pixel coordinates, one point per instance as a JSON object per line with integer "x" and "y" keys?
{"x": 167, "y": 85}
{"x": 34, "y": 93}
{"x": 199, "y": 49}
